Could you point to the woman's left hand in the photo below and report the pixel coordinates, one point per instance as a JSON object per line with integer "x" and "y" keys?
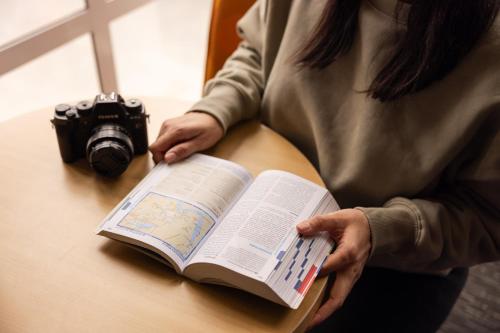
{"x": 350, "y": 230}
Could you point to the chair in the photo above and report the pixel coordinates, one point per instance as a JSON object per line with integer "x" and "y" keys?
{"x": 222, "y": 39}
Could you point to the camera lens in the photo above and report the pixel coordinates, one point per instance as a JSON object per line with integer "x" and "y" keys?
{"x": 109, "y": 150}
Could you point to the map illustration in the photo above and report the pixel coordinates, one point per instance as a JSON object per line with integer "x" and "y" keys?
{"x": 178, "y": 224}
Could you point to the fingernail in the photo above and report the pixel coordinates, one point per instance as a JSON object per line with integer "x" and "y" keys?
{"x": 304, "y": 226}
{"x": 169, "y": 157}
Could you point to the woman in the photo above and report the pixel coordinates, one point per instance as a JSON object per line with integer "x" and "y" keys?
{"x": 397, "y": 104}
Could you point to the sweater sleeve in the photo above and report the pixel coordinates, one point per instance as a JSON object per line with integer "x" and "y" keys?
{"x": 235, "y": 92}
{"x": 459, "y": 225}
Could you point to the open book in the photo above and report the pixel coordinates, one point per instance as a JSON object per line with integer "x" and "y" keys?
{"x": 212, "y": 222}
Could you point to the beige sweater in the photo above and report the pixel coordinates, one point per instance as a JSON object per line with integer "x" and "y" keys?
{"x": 425, "y": 169}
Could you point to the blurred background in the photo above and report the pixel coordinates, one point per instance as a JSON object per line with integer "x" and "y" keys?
{"x": 158, "y": 49}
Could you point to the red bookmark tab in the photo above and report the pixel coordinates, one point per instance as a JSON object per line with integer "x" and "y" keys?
{"x": 304, "y": 287}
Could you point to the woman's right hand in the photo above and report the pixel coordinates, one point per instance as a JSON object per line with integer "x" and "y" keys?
{"x": 182, "y": 136}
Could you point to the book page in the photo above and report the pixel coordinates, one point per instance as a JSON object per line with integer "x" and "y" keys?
{"x": 262, "y": 223}
{"x": 297, "y": 266}
{"x": 175, "y": 207}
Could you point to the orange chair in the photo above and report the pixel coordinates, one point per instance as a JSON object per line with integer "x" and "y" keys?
{"x": 222, "y": 39}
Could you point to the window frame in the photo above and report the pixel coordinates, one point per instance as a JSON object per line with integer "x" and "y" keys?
{"x": 94, "y": 19}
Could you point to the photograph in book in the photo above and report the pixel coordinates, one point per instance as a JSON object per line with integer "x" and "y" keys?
{"x": 212, "y": 222}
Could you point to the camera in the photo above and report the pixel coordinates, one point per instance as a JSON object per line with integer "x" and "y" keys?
{"x": 108, "y": 132}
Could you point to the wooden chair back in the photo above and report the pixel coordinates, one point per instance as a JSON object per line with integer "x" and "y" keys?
{"x": 223, "y": 39}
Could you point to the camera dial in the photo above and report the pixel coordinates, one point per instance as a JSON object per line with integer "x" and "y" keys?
{"x": 109, "y": 150}
{"x": 61, "y": 109}
{"x": 133, "y": 105}
{"x": 71, "y": 114}
{"x": 84, "y": 108}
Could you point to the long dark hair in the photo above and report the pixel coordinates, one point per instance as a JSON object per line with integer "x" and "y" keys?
{"x": 438, "y": 35}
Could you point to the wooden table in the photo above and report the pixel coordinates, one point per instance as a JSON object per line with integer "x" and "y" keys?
{"x": 56, "y": 275}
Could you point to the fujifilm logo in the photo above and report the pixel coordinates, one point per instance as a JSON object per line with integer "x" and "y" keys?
{"x": 111, "y": 116}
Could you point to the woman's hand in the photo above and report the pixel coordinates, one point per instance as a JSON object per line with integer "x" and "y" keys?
{"x": 350, "y": 230}
{"x": 182, "y": 136}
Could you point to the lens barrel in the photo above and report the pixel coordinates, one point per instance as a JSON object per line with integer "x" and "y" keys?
{"x": 109, "y": 150}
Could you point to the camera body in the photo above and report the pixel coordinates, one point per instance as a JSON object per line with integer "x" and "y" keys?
{"x": 108, "y": 132}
